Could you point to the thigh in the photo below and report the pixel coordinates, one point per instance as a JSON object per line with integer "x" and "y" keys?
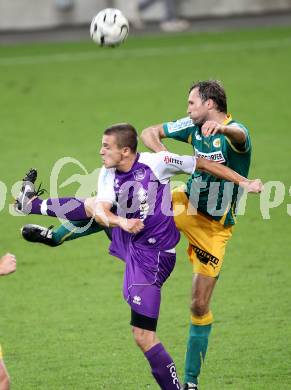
{"x": 145, "y": 273}
{"x": 119, "y": 245}
{"x": 207, "y": 237}
{"x": 144, "y": 299}
{"x": 202, "y": 288}
{"x": 207, "y": 245}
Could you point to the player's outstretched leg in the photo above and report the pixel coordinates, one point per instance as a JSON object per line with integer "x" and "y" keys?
{"x": 67, "y": 231}
{"x": 27, "y": 192}
{"x": 28, "y": 202}
{"x": 37, "y": 233}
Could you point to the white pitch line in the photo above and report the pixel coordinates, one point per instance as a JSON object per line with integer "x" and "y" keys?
{"x": 106, "y": 54}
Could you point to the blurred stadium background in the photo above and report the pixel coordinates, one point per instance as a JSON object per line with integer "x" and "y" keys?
{"x": 33, "y": 15}
{"x": 63, "y": 323}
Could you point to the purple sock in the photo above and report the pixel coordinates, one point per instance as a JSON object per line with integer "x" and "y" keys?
{"x": 72, "y": 209}
{"x": 163, "y": 368}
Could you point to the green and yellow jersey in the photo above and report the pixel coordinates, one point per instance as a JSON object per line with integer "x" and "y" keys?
{"x": 211, "y": 196}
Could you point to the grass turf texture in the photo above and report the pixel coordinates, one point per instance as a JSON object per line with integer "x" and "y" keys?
{"x": 63, "y": 322}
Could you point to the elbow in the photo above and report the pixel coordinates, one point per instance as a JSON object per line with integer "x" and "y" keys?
{"x": 145, "y": 134}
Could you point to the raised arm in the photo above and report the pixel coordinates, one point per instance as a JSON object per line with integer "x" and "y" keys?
{"x": 223, "y": 172}
{"x": 234, "y": 132}
{"x": 152, "y": 136}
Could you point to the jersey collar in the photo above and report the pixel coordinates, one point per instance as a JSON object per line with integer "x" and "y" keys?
{"x": 227, "y": 120}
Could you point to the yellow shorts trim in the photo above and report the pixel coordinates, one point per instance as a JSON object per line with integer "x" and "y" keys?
{"x": 207, "y": 237}
{"x": 207, "y": 319}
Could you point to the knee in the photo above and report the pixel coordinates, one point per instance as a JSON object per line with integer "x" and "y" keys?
{"x": 139, "y": 336}
{"x": 199, "y": 307}
{"x": 144, "y": 339}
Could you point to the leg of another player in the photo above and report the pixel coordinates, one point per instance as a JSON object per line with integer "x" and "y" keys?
{"x": 4, "y": 377}
{"x": 200, "y": 327}
{"x": 68, "y": 208}
{"x": 28, "y": 202}
{"x": 73, "y": 230}
{"x": 162, "y": 365}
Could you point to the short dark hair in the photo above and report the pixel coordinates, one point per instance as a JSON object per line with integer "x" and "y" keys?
{"x": 125, "y": 134}
{"x": 212, "y": 89}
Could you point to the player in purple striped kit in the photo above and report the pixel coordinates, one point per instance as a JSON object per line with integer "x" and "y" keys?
{"x": 137, "y": 187}
{"x": 134, "y": 198}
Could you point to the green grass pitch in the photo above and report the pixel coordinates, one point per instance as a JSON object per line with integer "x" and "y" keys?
{"x": 63, "y": 322}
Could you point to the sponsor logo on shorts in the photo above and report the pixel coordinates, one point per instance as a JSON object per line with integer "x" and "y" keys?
{"x": 173, "y": 372}
{"x": 205, "y": 257}
{"x": 136, "y": 300}
{"x": 212, "y": 156}
{"x": 171, "y": 160}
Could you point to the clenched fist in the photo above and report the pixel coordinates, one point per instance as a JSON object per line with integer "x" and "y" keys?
{"x": 7, "y": 264}
{"x": 133, "y": 225}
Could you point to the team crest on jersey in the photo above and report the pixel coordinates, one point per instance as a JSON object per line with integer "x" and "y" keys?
{"x": 139, "y": 174}
{"x": 216, "y": 142}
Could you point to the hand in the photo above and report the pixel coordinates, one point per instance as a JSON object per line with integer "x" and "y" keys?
{"x": 211, "y": 128}
{"x": 7, "y": 264}
{"x": 255, "y": 186}
{"x": 133, "y": 225}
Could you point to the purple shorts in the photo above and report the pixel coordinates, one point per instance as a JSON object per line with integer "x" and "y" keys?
{"x": 145, "y": 272}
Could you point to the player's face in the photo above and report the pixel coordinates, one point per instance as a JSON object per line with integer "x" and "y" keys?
{"x": 197, "y": 109}
{"x": 110, "y": 153}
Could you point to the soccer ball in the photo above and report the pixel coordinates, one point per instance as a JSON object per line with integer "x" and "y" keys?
{"x": 109, "y": 27}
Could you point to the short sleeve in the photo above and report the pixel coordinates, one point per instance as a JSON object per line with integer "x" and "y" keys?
{"x": 244, "y": 148}
{"x": 105, "y": 191}
{"x": 165, "y": 164}
{"x": 181, "y": 129}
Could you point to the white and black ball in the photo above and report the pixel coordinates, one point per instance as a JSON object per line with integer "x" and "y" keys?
{"x": 109, "y": 27}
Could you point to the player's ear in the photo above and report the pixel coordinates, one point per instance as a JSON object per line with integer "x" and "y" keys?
{"x": 210, "y": 104}
{"x": 126, "y": 150}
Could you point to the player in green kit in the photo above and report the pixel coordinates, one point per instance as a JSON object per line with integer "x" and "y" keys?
{"x": 209, "y": 204}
